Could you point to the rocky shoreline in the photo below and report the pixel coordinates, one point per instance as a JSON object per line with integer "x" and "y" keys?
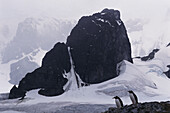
{"x": 147, "y": 107}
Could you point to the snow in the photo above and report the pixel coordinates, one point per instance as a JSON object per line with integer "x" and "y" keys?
{"x": 39, "y": 56}
{"x": 119, "y": 22}
{"x": 74, "y": 80}
{"x": 5, "y": 86}
{"x": 100, "y": 19}
{"x": 146, "y": 79}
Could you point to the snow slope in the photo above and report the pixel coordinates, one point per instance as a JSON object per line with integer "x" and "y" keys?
{"x": 146, "y": 79}
{"x": 5, "y": 86}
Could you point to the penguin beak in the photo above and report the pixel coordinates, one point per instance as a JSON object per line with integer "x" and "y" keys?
{"x": 113, "y": 98}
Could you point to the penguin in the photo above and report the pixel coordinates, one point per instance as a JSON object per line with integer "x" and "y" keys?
{"x": 118, "y": 102}
{"x": 133, "y": 97}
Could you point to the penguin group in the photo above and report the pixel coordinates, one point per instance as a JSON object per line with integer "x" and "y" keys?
{"x": 133, "y": 98}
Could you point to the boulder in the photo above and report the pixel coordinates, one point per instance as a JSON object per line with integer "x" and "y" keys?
{"x": 98, "y": 43}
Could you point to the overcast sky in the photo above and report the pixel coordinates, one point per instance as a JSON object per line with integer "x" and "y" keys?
{"x": 155, "y": 12}
{"x": 12, "y": 9}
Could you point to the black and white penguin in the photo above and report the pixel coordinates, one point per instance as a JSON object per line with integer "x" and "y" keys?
{"x": 118, "y": 102}
{"x": 133, "y": 97}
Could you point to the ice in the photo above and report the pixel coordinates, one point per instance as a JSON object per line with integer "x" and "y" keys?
{"x": 146, "y": 79}
{"x": 74, "y": 80}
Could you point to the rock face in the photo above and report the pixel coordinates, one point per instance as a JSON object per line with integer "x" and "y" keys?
{"x": 168, "y": 45}
{"x": 49, "y": 78}
{"x": 167, "y": 73}
{"x": 151, "y": 107}
{"x": 98, "y": 43}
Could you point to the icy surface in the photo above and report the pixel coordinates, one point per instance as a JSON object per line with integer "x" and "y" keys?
{"x": 146, "y": 79}
{"x": 74, "y": 81}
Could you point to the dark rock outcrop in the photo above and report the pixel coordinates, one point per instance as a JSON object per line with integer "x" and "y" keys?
{"x": 49, "y": 78}
{"x": 148, "y": 107}
{"x": 98, "y": 43}
{"x": 167, "y": 73}
{"x": 16, "y": 93}
{"x": 168, "y": 45}
{"x": 150, "y": 56}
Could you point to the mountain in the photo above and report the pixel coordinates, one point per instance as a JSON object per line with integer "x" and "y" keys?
{"x": 34, "y": 33}
{"x": 97, "y": 43}
{"x": 142, "y": 29}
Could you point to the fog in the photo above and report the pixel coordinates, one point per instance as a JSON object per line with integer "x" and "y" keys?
{"x": 154, "y": 13}
{"x": 74, "y": 9}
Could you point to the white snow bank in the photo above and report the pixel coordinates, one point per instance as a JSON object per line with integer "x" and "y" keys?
{"x": 148, "y": 85}
{"x": 5, "y": 86}
{"x": 130, "y": 78}
{"x": 164, "y": 55}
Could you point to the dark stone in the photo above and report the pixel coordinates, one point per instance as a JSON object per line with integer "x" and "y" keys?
{"x": 98, "y": 43}
{"x": 168, "y": 45}
{"x": 16, "y": 93}
{"x": 51, "y": 91}
{"x": 167, "y": 73}
{"x": 148, "y": 107}
{"x": 50, "y": 76}
{"x": 150, "y": 56}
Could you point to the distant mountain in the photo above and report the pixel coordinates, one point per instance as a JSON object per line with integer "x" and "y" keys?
{"x": 35, "y": 33}
{"x": 97, "y": 43}
{"x": 145, "y": 35}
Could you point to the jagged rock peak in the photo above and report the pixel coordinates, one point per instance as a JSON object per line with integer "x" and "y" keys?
{"x": 98, "y": 43}
{"x": 168, "y": 45}
{"x": 150, "y": 56}
{"x": 111, "y": 12}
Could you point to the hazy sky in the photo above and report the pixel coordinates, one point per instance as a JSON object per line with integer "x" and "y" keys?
{"x": 12, "y": 9}
{"x": 155, "y": 12}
